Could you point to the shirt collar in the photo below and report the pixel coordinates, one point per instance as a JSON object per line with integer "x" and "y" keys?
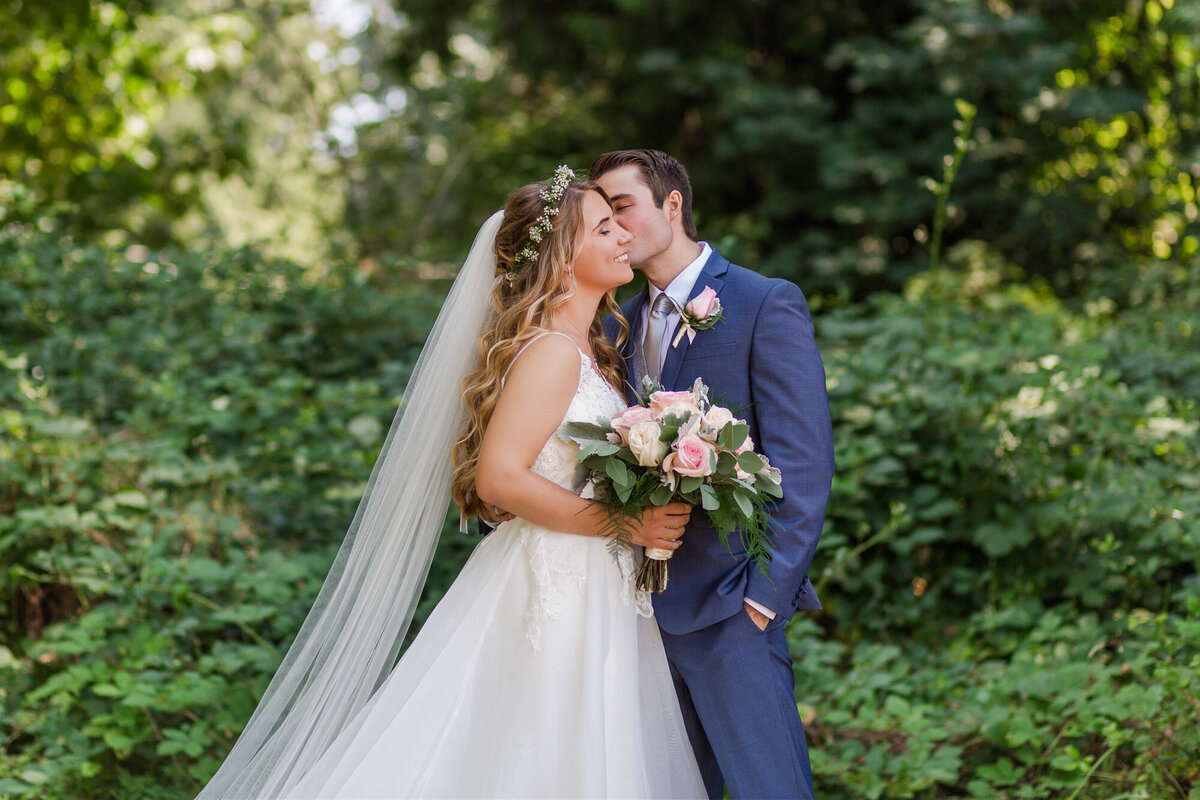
{"x": 680, "y": 289}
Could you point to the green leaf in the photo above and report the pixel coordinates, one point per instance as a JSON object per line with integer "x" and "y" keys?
{"x": 617, "y": 471}
{"x": 131, "y": 498}
{"x": 117, "y": 741}
{"x": 585, "y": 430}
{"x": 768, "y": 487}
{"x": 708, "y": 498}
{"x": 34, "y": 776}
{"x": 743, "y": 504}
{"x": 733, "y": 435}
{"x": 690, "y": 484}
{"x": 726, "y": 462}
{"x": 750, "y": 462}
{"x": 661, "y": 495}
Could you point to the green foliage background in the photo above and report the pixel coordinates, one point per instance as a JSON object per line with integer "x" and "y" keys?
{"x": 225, "y": 229}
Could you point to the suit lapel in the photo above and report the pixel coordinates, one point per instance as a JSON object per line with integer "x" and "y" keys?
{"x": 711, "y": 275}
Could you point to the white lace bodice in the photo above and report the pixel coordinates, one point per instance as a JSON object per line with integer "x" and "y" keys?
{"x": 595, "y": 399}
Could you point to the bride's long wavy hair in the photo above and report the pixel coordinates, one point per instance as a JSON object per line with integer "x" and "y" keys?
{"x": 521, "y": 308}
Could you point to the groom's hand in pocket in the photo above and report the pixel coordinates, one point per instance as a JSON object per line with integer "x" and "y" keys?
{"x": 661, "y": 526}
{"x": 760, "y": 619}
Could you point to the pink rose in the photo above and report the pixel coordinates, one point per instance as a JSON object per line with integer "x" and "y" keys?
{"x": 632, "y": 416}
{"x": 662, "y": 400}
{"x": 702, "y": 304}
{"x": 692, "y": 457}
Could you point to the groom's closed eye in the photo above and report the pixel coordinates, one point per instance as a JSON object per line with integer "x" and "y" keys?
{"x": 621, "y": 201}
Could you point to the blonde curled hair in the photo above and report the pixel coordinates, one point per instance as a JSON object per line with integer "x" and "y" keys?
{"x": 523, "y": 302}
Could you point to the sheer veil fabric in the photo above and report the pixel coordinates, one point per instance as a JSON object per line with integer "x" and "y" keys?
{"x": 352, "y": 636}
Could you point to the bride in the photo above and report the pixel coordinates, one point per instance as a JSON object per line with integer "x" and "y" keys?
{"x": 540, "y": 673}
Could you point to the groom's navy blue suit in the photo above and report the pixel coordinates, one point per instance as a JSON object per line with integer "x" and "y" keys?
{"x": 735, "y": 683}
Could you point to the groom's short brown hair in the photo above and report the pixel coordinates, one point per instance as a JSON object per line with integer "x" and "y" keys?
{"x": 661, "y": 172}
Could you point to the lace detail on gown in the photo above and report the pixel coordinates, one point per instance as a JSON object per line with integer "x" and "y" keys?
{"x": 557, "y": 561}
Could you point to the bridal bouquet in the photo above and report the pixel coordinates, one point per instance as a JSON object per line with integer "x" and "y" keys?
{"x": 678, "y": 446}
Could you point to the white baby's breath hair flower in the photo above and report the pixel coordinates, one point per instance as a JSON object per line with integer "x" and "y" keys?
{"x": 542, "y": 228}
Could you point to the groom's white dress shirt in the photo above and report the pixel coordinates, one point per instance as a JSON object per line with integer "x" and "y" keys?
{"x": 679, "y": 290}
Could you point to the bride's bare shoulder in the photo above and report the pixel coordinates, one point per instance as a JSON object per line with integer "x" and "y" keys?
{"x": 550, "y": 360}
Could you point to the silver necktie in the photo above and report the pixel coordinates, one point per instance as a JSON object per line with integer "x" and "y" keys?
{"x": 655, "y": 327}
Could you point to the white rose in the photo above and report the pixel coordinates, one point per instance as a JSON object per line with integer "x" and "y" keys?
{"x": 718, "y": 417}
{"x": 645, "y": 443}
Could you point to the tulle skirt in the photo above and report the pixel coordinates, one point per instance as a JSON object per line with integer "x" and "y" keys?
{"x": 540, "y": 674}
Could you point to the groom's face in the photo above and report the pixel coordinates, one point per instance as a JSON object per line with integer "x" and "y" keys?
{"x": 634, "y": 208}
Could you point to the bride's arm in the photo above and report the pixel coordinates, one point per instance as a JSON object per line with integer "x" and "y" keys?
{"x": 536, "y": 394}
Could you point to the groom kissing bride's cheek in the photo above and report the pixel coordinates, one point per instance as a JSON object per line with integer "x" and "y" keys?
{"x": 722, "y": 621}
{"x": 548, "y": 668}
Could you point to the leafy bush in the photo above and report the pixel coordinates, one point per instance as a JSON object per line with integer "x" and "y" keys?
{"x": 1016, "y": 486}
{"x": 182, "y": 442}
{"x": 1009, "y": 565}
{"x": 999, "y": 451}
{"x": 1082, "y": 708}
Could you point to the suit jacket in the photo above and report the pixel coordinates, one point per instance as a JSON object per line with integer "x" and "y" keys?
{"x": 762, "y": 362}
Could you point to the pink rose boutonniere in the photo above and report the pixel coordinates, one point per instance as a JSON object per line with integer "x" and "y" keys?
{"x": 701, "y": 313}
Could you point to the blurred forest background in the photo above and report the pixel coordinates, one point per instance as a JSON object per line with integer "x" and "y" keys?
{"x": 226, "y": 226}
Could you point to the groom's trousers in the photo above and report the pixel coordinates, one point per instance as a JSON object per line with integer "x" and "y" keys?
{"x": 736, "y": 690}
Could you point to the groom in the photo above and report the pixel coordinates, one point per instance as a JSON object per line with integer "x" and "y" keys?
{"x": 722, "y": 621}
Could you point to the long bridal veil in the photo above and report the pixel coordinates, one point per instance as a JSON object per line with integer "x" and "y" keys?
{"x": 350, "y": 640}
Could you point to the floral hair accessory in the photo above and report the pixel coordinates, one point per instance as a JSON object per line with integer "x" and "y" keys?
{"x": 552, "y": 196}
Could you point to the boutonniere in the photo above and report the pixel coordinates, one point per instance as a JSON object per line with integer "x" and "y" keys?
{"x": 701, "y": 313}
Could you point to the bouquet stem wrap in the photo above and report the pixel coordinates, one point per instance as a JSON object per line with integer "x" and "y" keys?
{"x": 652, "y": 577}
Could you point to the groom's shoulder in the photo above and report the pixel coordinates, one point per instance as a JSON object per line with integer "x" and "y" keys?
{"x": 755, "y": 284}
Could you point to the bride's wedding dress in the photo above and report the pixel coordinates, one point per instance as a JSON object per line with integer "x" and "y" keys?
{"x": 539, "y": 674}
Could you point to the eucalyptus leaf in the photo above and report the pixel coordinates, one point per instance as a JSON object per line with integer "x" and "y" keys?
{"x": 617, "y": 471}
{"x": 750, "y": 462}
{"x": 743, "y": 504}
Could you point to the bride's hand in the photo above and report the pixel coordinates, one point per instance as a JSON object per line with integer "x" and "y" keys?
{"x": 661, "y": 526}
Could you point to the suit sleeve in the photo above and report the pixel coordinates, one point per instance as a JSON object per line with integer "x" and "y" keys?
{"x": 791, "y": 407}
